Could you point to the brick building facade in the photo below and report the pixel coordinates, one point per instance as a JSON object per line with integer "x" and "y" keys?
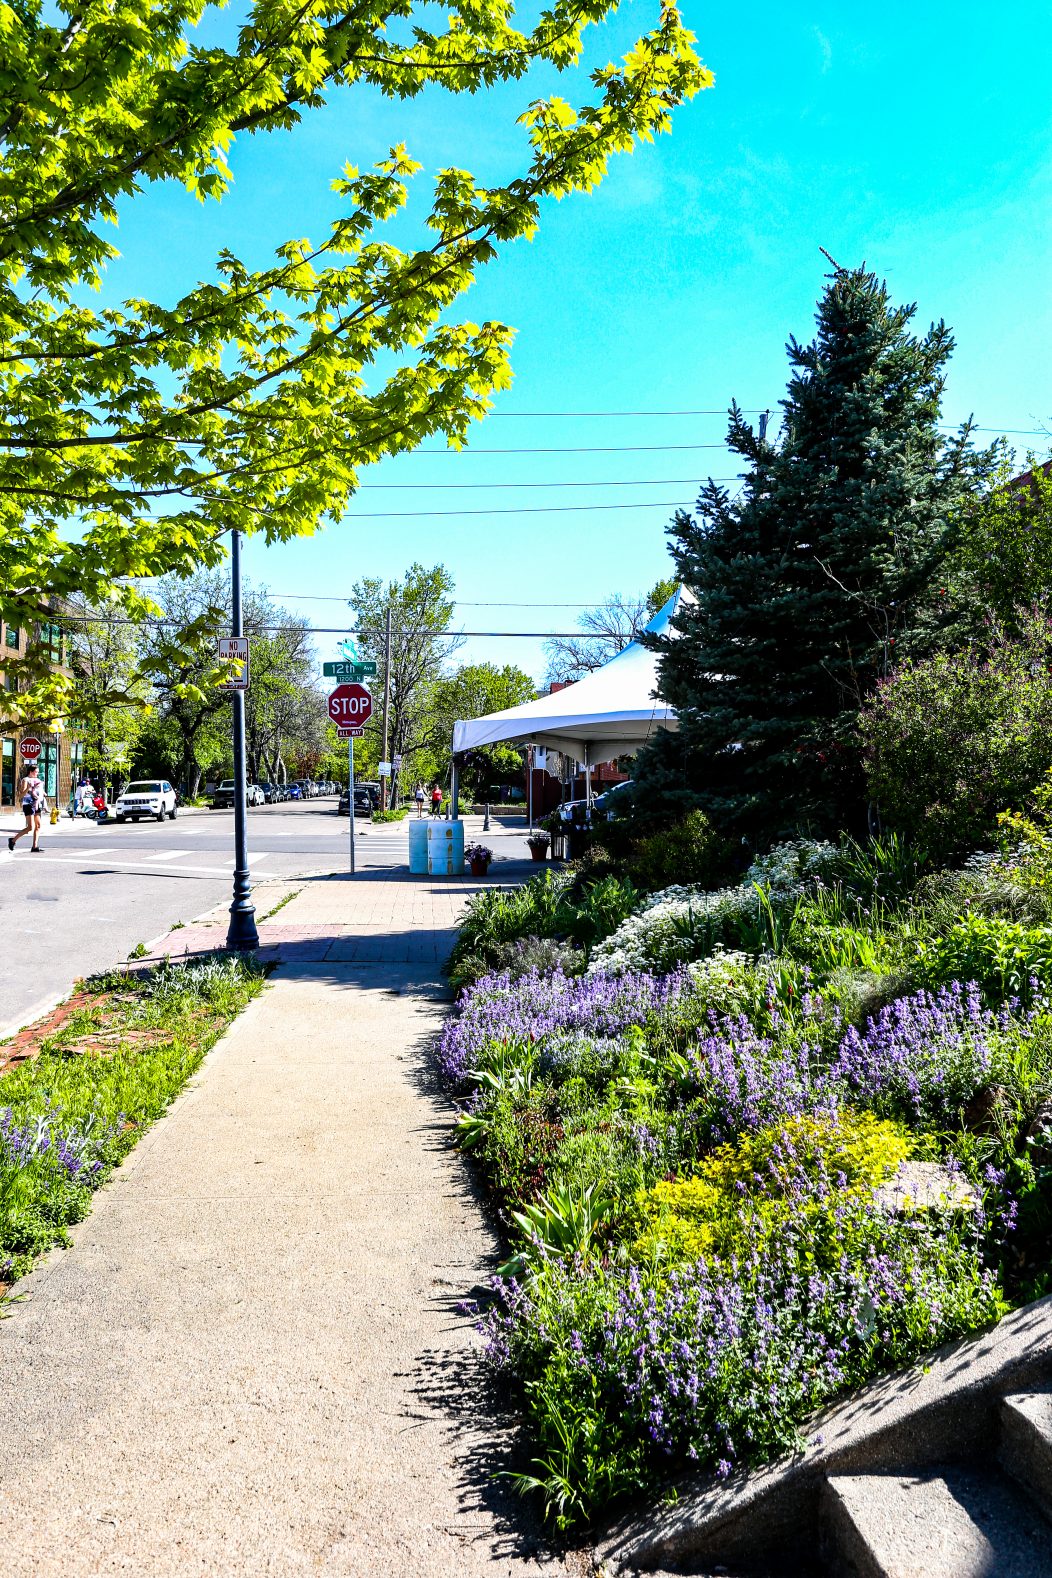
{"x": 62, "y": 755}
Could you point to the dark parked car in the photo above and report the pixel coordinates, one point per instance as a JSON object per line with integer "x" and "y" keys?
{"x": 366, "y": 801}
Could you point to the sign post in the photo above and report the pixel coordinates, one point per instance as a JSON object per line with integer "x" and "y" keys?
{"x": 350, "y": 735}
{"x": 350, "y": 707}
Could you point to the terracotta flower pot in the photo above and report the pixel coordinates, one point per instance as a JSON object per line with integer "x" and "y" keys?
{"x": 538, "y": 851}
{"x": 479, "y": 868}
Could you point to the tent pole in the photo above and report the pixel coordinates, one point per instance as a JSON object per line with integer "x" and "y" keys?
{"x": 454, "y": 792}
{"x": 529, "y": 782}
{"x": 587, "y": 786}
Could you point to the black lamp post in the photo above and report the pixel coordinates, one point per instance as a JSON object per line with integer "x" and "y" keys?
{"x": 241, "y": 933}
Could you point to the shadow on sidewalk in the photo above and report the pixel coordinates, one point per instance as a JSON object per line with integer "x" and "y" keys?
{"x": 454, "y": 1381}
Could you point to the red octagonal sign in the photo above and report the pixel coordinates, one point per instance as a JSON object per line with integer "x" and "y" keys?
{"x": 350, "y": 705}
{"x": 30, "y": 748}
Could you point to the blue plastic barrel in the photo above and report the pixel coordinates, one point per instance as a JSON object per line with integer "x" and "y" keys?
{"x": 418, "y": 847}
{"x": 445, "y": 849}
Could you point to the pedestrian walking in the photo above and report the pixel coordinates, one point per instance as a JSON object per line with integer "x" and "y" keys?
{"x": 419, "y": 800}
{"x": 34, "y": 802}
{"x": 436, "y": 800}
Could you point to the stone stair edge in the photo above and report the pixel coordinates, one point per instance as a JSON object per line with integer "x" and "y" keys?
{"x": 941, "y": 1409}
{"x": 1025, "y": 1444}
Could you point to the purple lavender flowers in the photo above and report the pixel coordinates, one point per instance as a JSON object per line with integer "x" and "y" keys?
{"x": 499, "y": 1008}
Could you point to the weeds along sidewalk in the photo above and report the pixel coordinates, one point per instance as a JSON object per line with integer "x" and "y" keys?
{"x": 251, "y": 1361}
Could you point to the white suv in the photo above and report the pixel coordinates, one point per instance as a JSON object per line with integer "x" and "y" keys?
{"x": 150, "y": 797}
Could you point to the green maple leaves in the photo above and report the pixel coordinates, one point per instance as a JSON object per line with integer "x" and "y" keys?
{"x": 135, "y": 438}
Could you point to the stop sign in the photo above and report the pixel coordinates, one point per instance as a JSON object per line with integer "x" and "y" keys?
{"x": 30, "y": 748}
{"x": 350, "y": 705}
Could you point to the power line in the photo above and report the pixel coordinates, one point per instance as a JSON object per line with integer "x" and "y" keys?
{"x": 569, "y": 415}
{"x": 330, "y": 597}
{"x": 602, "y": 482}
{"x": 70, "y": 620}
{"x": 527, "y": 509}
{"x": 571, "y": 449}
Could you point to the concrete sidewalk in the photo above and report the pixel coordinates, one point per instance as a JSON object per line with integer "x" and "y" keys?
{"x": 250, "y": 1362}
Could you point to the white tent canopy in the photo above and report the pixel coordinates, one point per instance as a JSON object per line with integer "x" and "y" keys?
{"x": 611, "y": 712}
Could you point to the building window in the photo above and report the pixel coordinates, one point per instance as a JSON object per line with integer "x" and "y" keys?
{"x": 51, "y": 638}
{"x": 48, "y": 764}
{"x": 12, "y": 636}
{"x": 7, "y": 773}
{"x": 11, "y": 679}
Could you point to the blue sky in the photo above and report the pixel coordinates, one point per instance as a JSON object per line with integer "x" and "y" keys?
{"x": 917, "y": 138}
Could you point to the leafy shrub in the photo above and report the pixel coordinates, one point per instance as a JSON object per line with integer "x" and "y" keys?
{"x": 1007, "y": 959}
{"x": 790, "y": 1177}
{"x": 550, "y": 905}
{"x": 955, "y": 739}
{"x": 396, "y": 814}
{"x": 524, "y": 956}
{"x": 683, "y": 924}
{"x": 688, "y": 852}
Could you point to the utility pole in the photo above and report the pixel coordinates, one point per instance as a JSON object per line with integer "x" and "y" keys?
{"x": 385, "y": 782}
{"x": 241, "y": 933}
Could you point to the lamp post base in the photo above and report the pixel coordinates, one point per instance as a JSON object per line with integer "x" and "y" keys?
{"x": 242, "y": 935}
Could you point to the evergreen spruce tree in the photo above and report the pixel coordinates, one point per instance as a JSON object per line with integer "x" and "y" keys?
{"x": 818, "y": 576}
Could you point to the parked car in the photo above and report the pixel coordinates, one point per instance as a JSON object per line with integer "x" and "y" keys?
{"x": 223, "y": 795}
{"x": 608, "y": 802}
{"x": 366, "y": 800}
{"x": 254, "y": 795}
{"x": 146, "y": 797}
{"x": 295, "y": 792}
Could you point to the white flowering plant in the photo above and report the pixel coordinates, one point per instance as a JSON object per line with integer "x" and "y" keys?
{"x": 680, "y": 925}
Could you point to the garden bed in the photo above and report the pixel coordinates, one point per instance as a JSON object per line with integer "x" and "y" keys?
{"x": 76, "y": 1093}
{"x": 753, "y": 1146}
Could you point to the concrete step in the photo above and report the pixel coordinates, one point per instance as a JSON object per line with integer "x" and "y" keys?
{"x": 1026, "y": 1443}
{"x": 946, "y": 1522}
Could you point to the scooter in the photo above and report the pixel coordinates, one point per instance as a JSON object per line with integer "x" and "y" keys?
{"x": 94, "y": 810}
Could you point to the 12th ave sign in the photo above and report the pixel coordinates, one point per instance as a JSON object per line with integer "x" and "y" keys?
{"x": 350, "y": 705}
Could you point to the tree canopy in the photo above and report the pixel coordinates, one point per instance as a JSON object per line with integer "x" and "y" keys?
{"x": 136, "y": 436}
{"x": 606, "y": 630}
{"x": 821, "y": 572}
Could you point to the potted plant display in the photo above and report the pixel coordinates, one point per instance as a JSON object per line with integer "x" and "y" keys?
{"x": 478, "y": 858}
{"x": 538, "y": 843}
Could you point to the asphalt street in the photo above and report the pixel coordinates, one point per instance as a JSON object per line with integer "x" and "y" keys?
{"x": 93, "y": 893}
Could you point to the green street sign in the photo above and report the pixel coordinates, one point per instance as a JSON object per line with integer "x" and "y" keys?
{"x": 345, "y": 670}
